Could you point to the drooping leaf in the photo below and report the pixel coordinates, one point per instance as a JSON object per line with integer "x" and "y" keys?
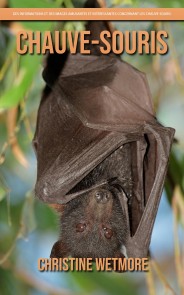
{"x": 29, "y": 65}
{"x": 27, "y": 222}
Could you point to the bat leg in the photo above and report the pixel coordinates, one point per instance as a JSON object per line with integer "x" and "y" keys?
{"x": 138, "y": 245}
{"x": 117, "y": 189}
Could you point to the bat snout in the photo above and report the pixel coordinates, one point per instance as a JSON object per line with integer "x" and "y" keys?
{"x": 102, "y": 196}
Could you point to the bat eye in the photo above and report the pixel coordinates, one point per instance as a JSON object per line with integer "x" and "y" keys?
{"x": 108, "y": 233}
{"x": 80, "y": 227}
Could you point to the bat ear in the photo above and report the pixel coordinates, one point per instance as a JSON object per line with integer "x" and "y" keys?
{"x": 53, "y": 66}
{"x": 59, "y": 250}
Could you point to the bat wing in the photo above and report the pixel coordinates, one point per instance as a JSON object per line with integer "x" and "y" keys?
{"x": 96, "y": 105}
{"x": 106, "y": 93}
{"x": 66, "y": 149}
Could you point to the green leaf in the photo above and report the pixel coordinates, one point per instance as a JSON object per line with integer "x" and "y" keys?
{"x": 68, "y": 3}
{"x": 27, "y": 222}
{"x": 34, "y": 4}
{"x": 109, "y": 283}
{"x": 122, "y": 2}
{"x": 168, "y": 3}
{"x": 176, "y": 170}
{"x": 2, "y": 193}
{"x": 175, "y": 175}
{"x": 41, "y": 26}
{"x": 79, "y": 3}
{"x": 29, "y": 65}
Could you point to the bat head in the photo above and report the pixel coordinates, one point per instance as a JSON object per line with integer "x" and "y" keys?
{"x": 92, "y": 225}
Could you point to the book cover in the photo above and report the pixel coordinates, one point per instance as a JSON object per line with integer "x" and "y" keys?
{"x": 91, "y": 147}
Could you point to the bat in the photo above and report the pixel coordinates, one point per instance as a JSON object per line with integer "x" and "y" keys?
{"x": 102, "y": 155}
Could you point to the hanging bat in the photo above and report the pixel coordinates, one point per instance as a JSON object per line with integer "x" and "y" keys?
{"x": 102, "y": 156}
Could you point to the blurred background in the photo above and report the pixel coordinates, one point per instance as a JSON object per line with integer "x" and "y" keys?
{"x": 28, "y": 228}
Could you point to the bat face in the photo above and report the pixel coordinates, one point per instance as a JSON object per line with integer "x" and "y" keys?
{"x": 92, "y": 225}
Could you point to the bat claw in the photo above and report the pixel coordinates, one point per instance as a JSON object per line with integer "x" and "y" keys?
{"x": 117, "y": 188}
{"x": 111, "y": 180}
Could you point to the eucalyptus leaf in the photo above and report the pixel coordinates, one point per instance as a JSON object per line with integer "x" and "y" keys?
{"x": 33, "y": 4}
{"x": 29, "y": 66}
{"x": 108, "y": 283}
{"x": 27, "y": 222}
{"x": 122, "y": 2}
{"x": 2, "y": 193}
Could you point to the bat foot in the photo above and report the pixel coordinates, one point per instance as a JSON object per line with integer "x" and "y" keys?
{"x": 116, "y": 186}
